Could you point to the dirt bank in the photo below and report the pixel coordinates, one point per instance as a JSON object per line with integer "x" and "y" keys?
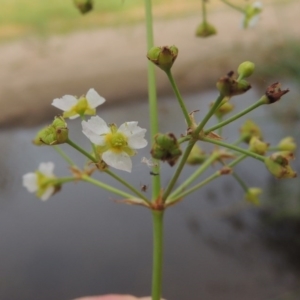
{"x": 35, "y": 71}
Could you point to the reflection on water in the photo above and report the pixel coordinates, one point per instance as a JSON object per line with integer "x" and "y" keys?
{"x": 81, "y": 242}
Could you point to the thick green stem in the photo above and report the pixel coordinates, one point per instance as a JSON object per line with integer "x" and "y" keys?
{"x": 237, "y": 116}
{"x": 152, "y": 96}
{"x": 179, "y": 98}
{"x": 235, "y": 148}
{"x": 157, "y": 219}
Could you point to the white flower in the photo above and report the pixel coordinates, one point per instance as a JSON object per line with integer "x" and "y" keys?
{"x": 251, "y": 15}
{"x": 74, "y": 107}
{"x": 41, "y": 181}
{"x": 115, "y": 145}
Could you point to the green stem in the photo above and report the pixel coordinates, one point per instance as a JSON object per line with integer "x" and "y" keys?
{"x": 82, "y": 151}
{"x": 157, "y": 219}
{"x": 179, "y": 98}
{"x": 235, "y": 148}
{"x": 204, "y": 15}
{"x": 184, "y": 139}
{"x": 233, "y": 6}
{"x": 204, "y": 182}
{"x": 107, "y": 187}
{"x": 129, "y": 186}
{"x": 195, "y": 175}
{"x": 64, "y": 155}
{"x": 153, "y": 109}
{"x": 235, "y": 117}
{"x": 209, "y": 114}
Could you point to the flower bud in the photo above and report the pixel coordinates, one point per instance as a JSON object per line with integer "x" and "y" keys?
{"x": 278, "y": 164}
{"x": 229, "y": 86}
{"x": 250, "y": 129}
{"x": 252, "y": 195}
{"x": 224, "y": 108}
{"x": 166, "y": 148}
{"x": 245, "y": 69}
{"x": 54, "y": 134}
{"x": 163, "y": 57}
{"x": 252, "y": 12}
{"x": 197, "y": 156}
{"x": 274, "y": 93}
{"x": 205, "y": 29}
{"x": 287, "y": 144}
{"x": 258, "y": 146}
{"x": 84, "y": 6}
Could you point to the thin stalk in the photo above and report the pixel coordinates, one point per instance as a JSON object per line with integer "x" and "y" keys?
{"x": 235, "y": 117}
{"x": 179, "y": 98}
{"x": 129, "y": 186}
{"x": 82, "y": 151}
{"x": 204, "y": 182}
{"x": 64, "y": 155}
{"x": 204, "y": 14}
{"x": 233, "y": 6}
{"x": 157, "y": 219}
{"x": 195, "y": 175}
{"x": 235, "y": 148}
{"x": 153, "y": 109}
{"x": 107, "y": 187}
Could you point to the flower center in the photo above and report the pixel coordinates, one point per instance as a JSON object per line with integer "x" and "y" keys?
{"x": 81, "y": 106}
{"x": 117, "y": 141}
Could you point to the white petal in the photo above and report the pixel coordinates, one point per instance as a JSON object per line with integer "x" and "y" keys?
{"x": 135, "y": 135}
{"x": 30, "y": 182}
{"x": 74, "y": 117}
{"x": 257, "y": 4}
{"x": 94, "y": 99}
{"x": 65, "y": 103}
{"x": 120, "y": 161}
{"x": 95, "y": 129}
{"x": 48, "y": 193}
{"x": 47, "y": 169}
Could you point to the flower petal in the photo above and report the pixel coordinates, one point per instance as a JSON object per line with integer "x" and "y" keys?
{"x": 120, "y": 161}
{"x": 135, "y": 135}
{"x": 94, "y": 99}
{"x": 30, "y": 182}
{"x": 65, "y": 103}
{"x": 47, "y": 169}
{"x": 95, "y": 129}
{"x": 48, "y": 193}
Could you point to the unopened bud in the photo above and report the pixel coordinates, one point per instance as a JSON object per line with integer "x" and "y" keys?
{"x": 252, "y": 195}
{"x": 54, "y": 134}
{"x": 166, "y": 148}
{"x": 84, "y": 6}
{"x": 224, "y": 108}
{"x": 252, "y": 12}
{"x": 163, "y": 57}
{"x": 287, "y": 144}
{"x": 245, "y": 69}
{"x": 197, "y": 156}
{"x": 258, "y": 146}
{"x": 205, "y": 29}
{"x": 250, "y": 129}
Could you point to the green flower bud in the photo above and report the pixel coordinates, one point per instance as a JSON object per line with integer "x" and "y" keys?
{"x": 287, "y": 144}
{"x": 252, "y": 195}
{"x": 250, "y": 129}
{"x": 229, "y": 86}
{"x": 163, "y": 57}
{"x": 245, "y": 69}
{"x": 166, "y": 148}
{"x": 84, "y": 6}
{"x": 205, "y": 29}
{"x": 274, "y": 93}
{"x": 252, "y": 12}
{"x": 258, "y": 146}
{"x": 225, "y": 108}
{"x": 278, "y": 165}
{"x": 197, "y": 156}
{"x": 54, "y": 134}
